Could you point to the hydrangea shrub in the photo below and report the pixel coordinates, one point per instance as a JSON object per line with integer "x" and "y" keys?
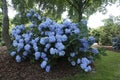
{"x": 116, "y": 42}
{"x": 46, "y": 41}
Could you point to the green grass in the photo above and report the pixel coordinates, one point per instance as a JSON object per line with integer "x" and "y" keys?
{"x": 108, "y": 68}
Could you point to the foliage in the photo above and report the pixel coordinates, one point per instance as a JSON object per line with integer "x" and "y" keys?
{"x": 104, "y": 34}
{"x": 54, "y": 8}
{"x": 116, "y": 42}
{"x": 47, "y": 42}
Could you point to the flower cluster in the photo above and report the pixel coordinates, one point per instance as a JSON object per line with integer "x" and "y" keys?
{"x": 46, "y": 41}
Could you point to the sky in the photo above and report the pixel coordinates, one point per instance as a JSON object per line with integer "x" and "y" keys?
{"x": 94, "y": 20}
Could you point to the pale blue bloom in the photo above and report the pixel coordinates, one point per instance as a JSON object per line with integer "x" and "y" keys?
{"x": 17, "y": 37}
{"x": 45, "y": 49}
{"x": 15, "y": 43}
{"x": 32, "y": 11}
{"x": 18, "y": 58}
{"x": 59, "y": 38}
{"x": 48, "y": 68}
{"x": 72, "y": 54}
{"x": 61, "y": 53}
{"x": 28, "y": 15}
{"x": 44, "y": 40}
{"x": 35, "y": 47}
{"x": 68, "y": 31}
{"x": 13, "y": 53}
{"x": 20, "y": 46}
{"x": 43, "y": 64}
{"x": 18, "y": 31}
{"x": 66, "y": 23}
{"x": 22, "y": 27}
{"x": 76, "y": 31}
{"x": 73, "y": 63}
{"x": 91, "y": 38}
{"x": 83, "y": 66}
{"x": 27, "y": 39}
{"x": 37, "y": 55}
{"x": 85, "y": 60}
{"x": 48, "y": 46}
{"x": 59, "y": 46}
{"x": 43, "y": 55}
{"x": 25, "y": 53}
{"x": 33, "y": 41}
{"x": 78, "y": 61}
{"x": 52, "y": 27}
{"x": 45, "y": 59}
{"x": 64, "y": 37}
{"x": 36, "y": 39}
{"x": 95, "y": 51}
{"x": 52, "y": 51}
{"x": 21, "y": 41}
{"x": 87, "y": 69}
{"x": 52, "y": 39}
{"x": 27, "y": 47}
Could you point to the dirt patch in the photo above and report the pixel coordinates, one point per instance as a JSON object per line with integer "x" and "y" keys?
{"x": 11, "y": 70}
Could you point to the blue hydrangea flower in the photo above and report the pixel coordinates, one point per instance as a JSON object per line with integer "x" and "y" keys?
{"x": 78, "y": 61}
{"x": 61, "y": 53}
{"x": 44, "y": 40}
{"x": 59, "y": 38}
{"x": 18, "y": 31}
{"x": 17, "y": 37}
{"x": 85, "y": 60}
{"x": 43, "y": 55}
{"x": 59, "y": 46}
{"x": 20, "y": 45}
{"x": 15, "y": 43}
{"x": 83, "y": 66}
{"x": 48, "y": 46}
{"x": 87, "y": 69}
{"x": 95, "y": 51}
{"x": 27, "y": 39}
{"x": 73, "y": 63}
{"x": 21, "y": 41}
{"x": 25, "y": 53}
{"x": 64, "y": 37}
{"x": 72, "y": 54}
{"x": 36, "y": 39}
{"x": 43, "y": 64}
{"x": 68, "y": 31}
{"x": 52, "y": 51}
{"x": 37, "y": 55}
{"x": 45, "y": 59}
{"x": 51, "y": 39}
{"x": 27, "y": 47}
{"x": 28, "y": 15}
{"x": 48, "y": 68}
{"x": 35, "y": 47}
{"x": 18, "y": 59}
{"x": 76, "y": 31}
{"x": 13, "y": 53}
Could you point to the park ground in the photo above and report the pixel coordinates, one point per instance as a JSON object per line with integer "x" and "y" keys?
{"x": 108, "y": 68}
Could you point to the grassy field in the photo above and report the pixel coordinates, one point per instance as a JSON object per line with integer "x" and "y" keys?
{"x": 106, "y": 69}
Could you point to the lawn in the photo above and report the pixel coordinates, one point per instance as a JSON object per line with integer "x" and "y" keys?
{"x": 108, "y": 68}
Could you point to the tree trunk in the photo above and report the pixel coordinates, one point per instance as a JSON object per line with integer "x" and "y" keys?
{"x": 79, "y": 16}
{"x": 5, "y": 29}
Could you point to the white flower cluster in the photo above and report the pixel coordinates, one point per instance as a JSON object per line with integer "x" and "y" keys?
{"x": 49, "y": 40}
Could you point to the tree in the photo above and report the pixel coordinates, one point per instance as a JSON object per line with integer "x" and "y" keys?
{"x": 5, "y": 28}
{"x": 54, "y": 8}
